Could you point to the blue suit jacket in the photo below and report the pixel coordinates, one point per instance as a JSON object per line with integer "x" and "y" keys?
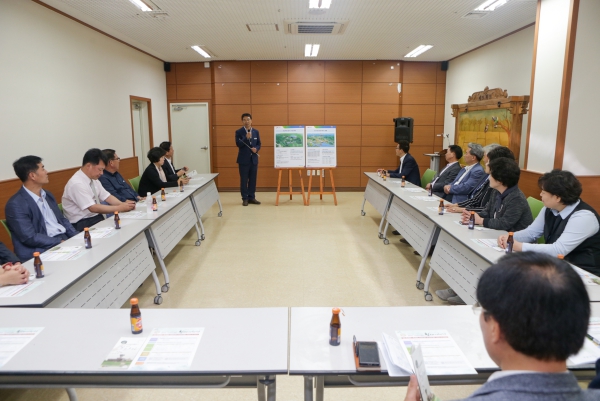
{"x": 410, "y": 170}
{"x": 245, "y": 155}
{"x": 28, "y": 227}
{"x": 461, "y": 191}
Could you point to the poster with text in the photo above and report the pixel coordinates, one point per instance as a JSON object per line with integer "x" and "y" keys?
{"x": 320, "y": 146}
{"x": 289, "y": 146}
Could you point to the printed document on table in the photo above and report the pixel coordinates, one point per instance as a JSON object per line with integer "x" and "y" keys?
{"x": 10, "y": 291}
{"x": 134, "y": 214}
{"x": 426, "y": 198}
{"x": 440, "y": 353}
{"x": 174, "y": 194}
{"x": 395, "y": 358}
{"x": 587, "y": 277}
{"x": 62, "y": 253}
{"x": 478, "y": 228}
{"x": 168, "y": 349}
{"x": 99, "y": 232}
{"x": 14, "y": 339}
{"x": 587, "y": 355}
{"x": 123, "y": 352}
{"x": 489, "y": 242}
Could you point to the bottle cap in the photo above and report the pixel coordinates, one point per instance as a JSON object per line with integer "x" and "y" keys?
{"x": 162, "y": 189}
{"x": 116, "y": 212}
{"x": 86, "y": 229}
{"x": 36, "y": 254}
{"x": 510, "y": 233}
{"x": 472, "y": 212}
{"x": 336, "y": 311}
{"x": 560, "y": 256}
{"x": 154, "y": 197}
{"x": 133, "y": 301}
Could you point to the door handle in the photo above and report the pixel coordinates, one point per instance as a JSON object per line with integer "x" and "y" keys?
{"x": 204, "y": 147}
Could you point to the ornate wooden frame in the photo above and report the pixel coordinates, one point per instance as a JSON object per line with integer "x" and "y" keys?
{"x": 490, "y": 99}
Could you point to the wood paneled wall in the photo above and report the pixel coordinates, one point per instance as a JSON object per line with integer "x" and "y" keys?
{"x": 359, "y": 97}
{"x": 58, "y": 179}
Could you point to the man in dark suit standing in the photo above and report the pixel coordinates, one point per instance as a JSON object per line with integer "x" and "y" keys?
{"x": 32, "y": 214}
{"x": 408, "y": 167}
{"x": 247, "y": 140}
{"x": 448, "y": 174}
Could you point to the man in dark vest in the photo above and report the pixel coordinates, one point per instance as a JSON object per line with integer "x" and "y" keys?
{"x": 570, "y": 226}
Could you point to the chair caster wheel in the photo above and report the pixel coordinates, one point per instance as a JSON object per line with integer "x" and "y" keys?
{"x": 165, "y": 288}
{"x": 420, "y": 285}
{"x": 202, "y": 237}
{"x": 158, "y": 300}
{"x": 386, "y": 241}
{"x": 220, "y": 214}
{"x": 428, "y": 297}
{"x": 362, "y": 213}
{"x": 198, "y": 243}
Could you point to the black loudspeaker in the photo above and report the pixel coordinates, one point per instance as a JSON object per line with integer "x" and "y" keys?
{"x": 167, "y": 67}
{"x": 404, "y": 129}
{"x": 445, "y": 65}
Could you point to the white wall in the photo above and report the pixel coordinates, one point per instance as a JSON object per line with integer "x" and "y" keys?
{"x": 504, "y": 64}
{"x": 65, "y": 88}
{"x": 583, "y": 136}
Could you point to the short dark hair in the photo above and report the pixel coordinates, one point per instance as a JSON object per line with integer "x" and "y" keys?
{"x": 457, "y": 150}
{"x": 246, "y": 115}
{"x": 155, "y": 154}
{"x": 563, "y": 184}
{"x": 505, "y": 171}
{"x": 501, "y": 151}
{"x": 404, "y": 145}
{"x": 166, "y": 146}
{"x": 94, "y": 156}
{"x": 109, "y": 154}
{"x": 539, "y": 302}
{"x": 26, "y": 165}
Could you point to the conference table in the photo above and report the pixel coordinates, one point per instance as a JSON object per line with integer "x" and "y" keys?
{"x": 460, "y": 255}
{"x": 106, "y": 275}
{"x": 323, "y": 365}
{"x": 239, "y": 348}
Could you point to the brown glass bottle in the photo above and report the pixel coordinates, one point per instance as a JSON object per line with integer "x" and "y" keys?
{"x": 403, "y": 182}
{"x": 510, "y": 241}
{"x": 87, "y": 238}
{"x": 335, "y": 328}
{"x": 135, "y": 317}
{"x": 117, "y": 221}
{"x": 441, "y": 207}
{"x": 38, "y": 265}
{"x": 472, "y": 221}
{"x": 154, "y": 204}
{"x": 180, "y": 186}
{"x": 163, "y": 196}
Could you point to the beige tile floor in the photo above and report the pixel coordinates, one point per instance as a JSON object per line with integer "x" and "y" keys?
{"x": 286, "y": 255}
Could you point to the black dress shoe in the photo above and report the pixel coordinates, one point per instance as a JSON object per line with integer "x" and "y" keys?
{"x": 245, "y": 202}
{"x": 395, "y": 232}
{"x": 253, "y": 201}
{"x": 404, "y": 241}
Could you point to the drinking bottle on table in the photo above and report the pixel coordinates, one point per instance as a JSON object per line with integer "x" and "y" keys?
{"x": 163, "y": 196}
{"x": 135, "y": 317}
{"x": 335, "y": 328}
{"x": 154, "y": 204}
{"x": 403, "y": 182}
{"x": 509, "y": 243}
{"x": 472, "y": 221}
{"x": 117, "y": 221}
{"x": 148, "y": 202}
{"x": 87, "y": 238}
{"x": 180, "y": 186}
{"x": 38, "y": 265}
{"x": 441, "y": 207}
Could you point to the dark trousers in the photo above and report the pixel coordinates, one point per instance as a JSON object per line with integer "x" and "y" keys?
{"x": 90, "y": 221}
{"x": 248, "y": 180}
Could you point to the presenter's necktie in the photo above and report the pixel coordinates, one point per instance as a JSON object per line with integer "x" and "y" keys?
{"x": 95, "y": 194}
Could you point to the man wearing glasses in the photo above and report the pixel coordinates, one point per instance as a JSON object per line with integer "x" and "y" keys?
{"x": 247, "y": 140}
{"x": 113, "y": 181}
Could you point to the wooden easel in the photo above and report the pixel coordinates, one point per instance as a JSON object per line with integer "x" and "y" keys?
{"x": 321, "y": 193}
{"x": 290, "y": 192}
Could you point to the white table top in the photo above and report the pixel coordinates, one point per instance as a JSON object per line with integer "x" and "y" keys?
{"x": 76, "y": 341}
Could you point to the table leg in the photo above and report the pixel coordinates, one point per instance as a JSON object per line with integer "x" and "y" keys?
{"x": 198, "y": 217}
{"x": 260, "y": 388}
{"x": 72, "y": 394}
{"x": 384, "y": 215}
{"x": 165, "y": 287}
{"x": 385, "y": 240}
{"x": 308, "y": 388}
{"x": 272, "y": 390}
{"x": 428, "y": 296}
{"x": 424, "y": 258}
{"x": 320, "y": 388}
{"x": 220, "y": 208}
{"x": 362, "y": 209}
{"x": 199, "y": 241}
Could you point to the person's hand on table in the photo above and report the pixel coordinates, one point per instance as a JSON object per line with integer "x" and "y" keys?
{"x": 466, "y": 216}
{"x": 126, "y": 206}
{"x": 380, "y": 170}
{"x": 517, "y": 246}
{"x": 453, "y": 208}
{"x": 13, "y": 274}
{"x": 412, "y": 391}
{"x": 447, "y": 188}
{"x": 185, "y": 180}
{"x": 428, "y": 186}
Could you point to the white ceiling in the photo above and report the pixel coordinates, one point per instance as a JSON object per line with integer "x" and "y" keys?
{"x": 377, "y": 29}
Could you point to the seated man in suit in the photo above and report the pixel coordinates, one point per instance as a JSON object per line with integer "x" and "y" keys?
{"x": 113, "y": 181}
{"x": 170, "y": 171}
{"x": 32, "y": 214}
{"x": 468, "y": 176}
{"x": 480, "y": 196}
{"x": 11, "y": 272}
{"x": 154, "y": 177}
{"x": 448, "y": 174}
{"x": 408, "y": 167}
{"x": 83, "y": 195}
{"x": 570, "y": 226}
{"x": 534, "y": 314}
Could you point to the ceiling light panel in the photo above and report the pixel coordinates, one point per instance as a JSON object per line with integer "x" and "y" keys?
{"x": 491, "y": 5}
{"x": 311, "y": 50}
{"x": 419, "y": 50}
{"x": 201, "y": 51}
{"x": 141, "y": 5}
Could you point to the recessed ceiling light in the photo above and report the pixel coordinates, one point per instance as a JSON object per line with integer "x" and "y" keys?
{"x": 202, "y": 52}
{"x": 141, "y": 5}
{"x": 319, "y": 4}
{"x": 491, "y": 5}
{"x": 419, "y": 50}
{"x": 311, "y": 50}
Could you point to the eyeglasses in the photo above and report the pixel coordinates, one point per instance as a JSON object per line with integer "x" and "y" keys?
{"x": 117, "y": 159}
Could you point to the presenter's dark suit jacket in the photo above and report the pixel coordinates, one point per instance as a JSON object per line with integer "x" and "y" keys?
{"x": 6, "y": 255}
{"x": 410, "y": 170}
{"x": 169, "y": 173}
{"x": 151, "y": 182}
{"x": 245, "y": 155}
{"x": 28, "y": 226}
{"x": 446, "y": 178}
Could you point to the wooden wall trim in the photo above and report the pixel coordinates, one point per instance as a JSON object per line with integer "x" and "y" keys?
{"x": 563, "y": 112}
{"x": 531, "y": 88}
{"x": 41, "y": 3}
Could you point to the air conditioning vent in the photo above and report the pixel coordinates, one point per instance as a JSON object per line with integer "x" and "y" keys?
{"x": 315, "y": 27}
{"x": 475, "y": 14}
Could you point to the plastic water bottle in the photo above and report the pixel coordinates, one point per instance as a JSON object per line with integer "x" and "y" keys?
{"x": 148, "y": 202}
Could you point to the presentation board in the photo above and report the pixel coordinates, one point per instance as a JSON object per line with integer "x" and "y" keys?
{"x": 289, "y": 146}
{"x": 321, "y": 146}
